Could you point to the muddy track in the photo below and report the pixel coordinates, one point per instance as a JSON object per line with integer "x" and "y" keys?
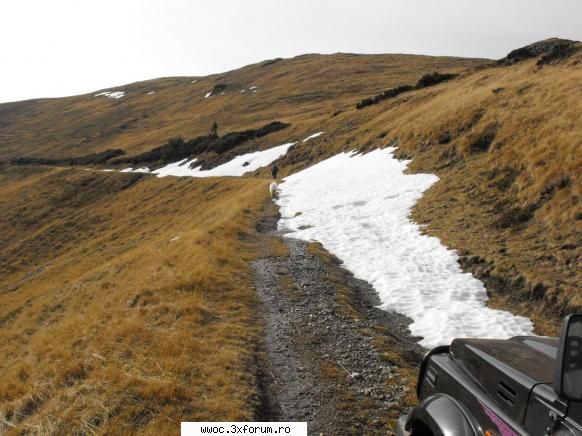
{"x": 334, "y": 362}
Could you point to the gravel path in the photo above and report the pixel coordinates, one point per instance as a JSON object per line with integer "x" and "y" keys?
{"x": 324, "y": 368}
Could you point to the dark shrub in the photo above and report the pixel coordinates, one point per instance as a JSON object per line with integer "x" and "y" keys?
{"x": 97, "y": 158}
{"x": 177, "y": 149}
{"x": 505, "y": 182}
{"x": 214, "y": 130}
{"x": 515, "y": 216}
{"x": 445, "y": 138}
{"x": 536, "y": 49}
{"x": 90, "y": 159}
{"x": 231, "y": 140}
{"x": 434, "y": 79}
{"x": 218, "y": 88}
{"x": 390, "y": 93}
{"x": 482, "y": 142}
{"x": 558, "y": 53}
{"x": 271, "y": 62}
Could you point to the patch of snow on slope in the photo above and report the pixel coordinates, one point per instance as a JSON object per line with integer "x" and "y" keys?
{"x": 151, "y": 92}
{"x": 138, "y": 170}
{"x": 252, "y": 90}
{"x": 208, "y": 94}
{"x": 110, "y": 94}
{"x": 357, "y": 206}
{"x": 236, "y": 167}
{"x": 180, "y": 169}
{"x": 315, "y": 135}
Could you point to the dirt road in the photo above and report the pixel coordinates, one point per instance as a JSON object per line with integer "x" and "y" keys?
{"x": 334, "y": 359}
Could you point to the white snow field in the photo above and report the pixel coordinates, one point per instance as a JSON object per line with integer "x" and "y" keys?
{"x": 111, "y": 94}
{"x": 357, "y": 206}
{"x": 235, "y": 167}
{"x": 315, "y": 135}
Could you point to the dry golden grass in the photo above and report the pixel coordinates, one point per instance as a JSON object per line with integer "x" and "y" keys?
{"x": 517, "y": 204}
{"x": 108, "y": 325}
{"x": 303, "y": 91}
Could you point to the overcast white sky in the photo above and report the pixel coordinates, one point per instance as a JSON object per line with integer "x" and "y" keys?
{"x": 65, "y": 47}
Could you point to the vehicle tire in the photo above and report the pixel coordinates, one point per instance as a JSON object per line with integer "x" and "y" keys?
{"x": 419, "y": 428}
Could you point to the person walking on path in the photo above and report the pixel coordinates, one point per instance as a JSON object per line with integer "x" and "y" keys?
{"x": 274, "y": 171}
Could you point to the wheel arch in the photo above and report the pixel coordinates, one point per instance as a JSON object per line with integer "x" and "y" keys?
{"x": 443, "y": 415}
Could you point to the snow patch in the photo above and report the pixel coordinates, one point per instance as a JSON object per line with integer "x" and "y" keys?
{"x": 194, "y": 81}
{"x": 358, "y": 206}
{"x": 138, "y": 170}
{"x": 252, "y": 90}
{"x": 236, "y": 167}
{"x": 111, "y": 94}
{"x": 151, "y": 92}
{"x": 315, "y": 135}
{"x": 208, "y": 94}
{"x": 179, "y": 169}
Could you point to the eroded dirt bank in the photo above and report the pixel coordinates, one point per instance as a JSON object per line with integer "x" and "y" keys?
{"x": 334, "y": 359}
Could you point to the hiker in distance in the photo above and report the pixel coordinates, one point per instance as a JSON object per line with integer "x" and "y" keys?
{"x": 273, "y": 188}
{"x": 274, "y": 171}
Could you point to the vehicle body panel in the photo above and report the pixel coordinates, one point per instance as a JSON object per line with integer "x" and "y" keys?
{"x": 492, "y": 387}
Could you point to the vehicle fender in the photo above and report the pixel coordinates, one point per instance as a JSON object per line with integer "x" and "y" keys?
{"x": 444, "y": 416}
{"x": 441, "y": 349}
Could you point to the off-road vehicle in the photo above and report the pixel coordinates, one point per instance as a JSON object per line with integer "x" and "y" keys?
{"x": 525, "y": 385}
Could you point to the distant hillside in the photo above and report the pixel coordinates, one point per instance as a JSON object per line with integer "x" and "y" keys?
{"x": 304, "y": 91}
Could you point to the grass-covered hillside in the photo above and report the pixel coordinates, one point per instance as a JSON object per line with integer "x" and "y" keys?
{"x": 304, "y": 91}
{"x": 127, "y": 301}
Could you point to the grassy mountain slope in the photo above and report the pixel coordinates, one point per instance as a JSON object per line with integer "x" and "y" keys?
{"x": 507, "y": 143}
{"x": 126, "y": 301}
{"x": 147, "y": 331}
{"x": 301, "y": 91}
